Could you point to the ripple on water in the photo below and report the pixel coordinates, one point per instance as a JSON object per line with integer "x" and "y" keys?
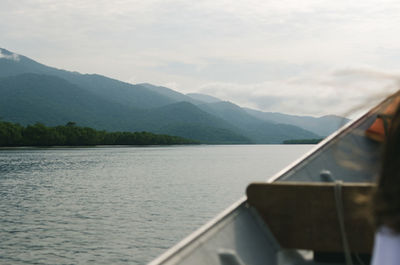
{"x": 119, "y": 205}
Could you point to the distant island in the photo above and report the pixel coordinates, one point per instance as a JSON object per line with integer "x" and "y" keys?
{"x": 303, "y": 141}
{"x": 15, "y": 135}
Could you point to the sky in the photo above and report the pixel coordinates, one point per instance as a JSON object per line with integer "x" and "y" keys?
{"x": 312, "y": 57}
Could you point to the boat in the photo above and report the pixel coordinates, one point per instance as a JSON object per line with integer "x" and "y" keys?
{"x": 308, "y": 213}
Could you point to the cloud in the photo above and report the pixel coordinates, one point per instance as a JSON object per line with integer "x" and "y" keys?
{"x": 271, "y": 55}
{"x": 344, "y": 92}
{"x": 233, "y": 70}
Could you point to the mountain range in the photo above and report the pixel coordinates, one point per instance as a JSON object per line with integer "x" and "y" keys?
{"x": 32, "y": 92}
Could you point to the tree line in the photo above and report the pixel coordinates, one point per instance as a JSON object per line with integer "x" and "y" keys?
{"x": 13, "y": 134}
{"x": 303, "y": 141}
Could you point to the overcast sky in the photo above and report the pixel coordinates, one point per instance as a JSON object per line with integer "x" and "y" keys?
{"x": 301, "y": 57}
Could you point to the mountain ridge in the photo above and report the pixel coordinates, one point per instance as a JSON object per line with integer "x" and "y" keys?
{"x": 106, "y": 103}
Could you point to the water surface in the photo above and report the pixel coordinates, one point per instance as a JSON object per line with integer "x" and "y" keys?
{"x": 120, "y": 205}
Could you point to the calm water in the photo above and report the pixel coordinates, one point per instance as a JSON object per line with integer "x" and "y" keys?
{"x": 120, "y": 205}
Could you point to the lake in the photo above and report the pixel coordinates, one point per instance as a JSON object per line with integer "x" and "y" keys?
{"x": 120, "y": 205}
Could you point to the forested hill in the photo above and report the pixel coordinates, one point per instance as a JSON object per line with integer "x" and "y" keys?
{"x": 32, "y": 92}
{"x": 12, "y": 135}
{"x": 50, "y": 100}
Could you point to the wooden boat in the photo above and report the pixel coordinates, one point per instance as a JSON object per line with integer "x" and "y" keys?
{"x": 305, "y": 214}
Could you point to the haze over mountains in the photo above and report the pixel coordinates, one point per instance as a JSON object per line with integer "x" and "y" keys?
{"x": 32, "y": 92}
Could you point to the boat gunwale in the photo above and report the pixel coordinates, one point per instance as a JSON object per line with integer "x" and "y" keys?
{"x": 292, "y": 166}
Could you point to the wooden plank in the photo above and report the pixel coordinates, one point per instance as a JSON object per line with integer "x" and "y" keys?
{"x": 304, "y": 215}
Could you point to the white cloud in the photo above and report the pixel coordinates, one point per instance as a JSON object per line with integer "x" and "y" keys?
{"x": 344, "y": 92}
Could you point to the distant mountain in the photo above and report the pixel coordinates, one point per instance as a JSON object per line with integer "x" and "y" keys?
{"x": 119, "y": 92}
{"x": 323, "y": 126}
{"x": 260, "y": 131}
{"x": 32, "y": 92}
{"x": 203, "y": 98}
{"x": 171, "y": 94}
{"x": 185, "y": 119}
{"x": 31, "y": 98}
